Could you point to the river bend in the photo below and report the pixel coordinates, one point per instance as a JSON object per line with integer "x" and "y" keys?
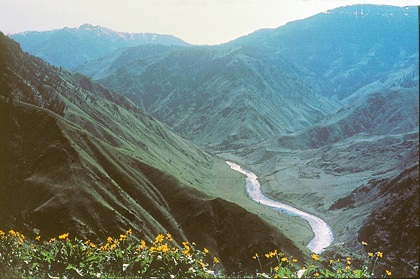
{"x": 323, "y": 233}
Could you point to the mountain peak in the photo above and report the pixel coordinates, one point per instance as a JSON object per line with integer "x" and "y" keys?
{"x": 89, "y": 26}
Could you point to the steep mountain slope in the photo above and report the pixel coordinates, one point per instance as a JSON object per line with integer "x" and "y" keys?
{"x": 347, "y": 47}
{"x": 393, "y": 226}
{"x": 221, "y": 97}
{"x": 81, "y": 159}
{"x": 71, "y": 47}
{"x": 377, "y": 113}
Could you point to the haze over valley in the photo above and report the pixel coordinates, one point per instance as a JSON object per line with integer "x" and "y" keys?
{"x": 104, "y": 131}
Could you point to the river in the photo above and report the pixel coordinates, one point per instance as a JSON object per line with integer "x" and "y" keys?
{"x": 323, "y": 233}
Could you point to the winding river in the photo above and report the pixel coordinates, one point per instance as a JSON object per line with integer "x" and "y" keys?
{"x": 323, "y": 233}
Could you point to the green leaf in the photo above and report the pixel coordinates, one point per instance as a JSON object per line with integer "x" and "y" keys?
{"x": 70, "y": 267}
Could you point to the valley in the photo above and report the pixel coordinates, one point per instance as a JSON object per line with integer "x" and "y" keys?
{"x": 325, "y": 111}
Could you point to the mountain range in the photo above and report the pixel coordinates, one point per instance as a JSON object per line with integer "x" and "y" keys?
{"x": 71, "y": 47}
{"x": 325, "y": 110}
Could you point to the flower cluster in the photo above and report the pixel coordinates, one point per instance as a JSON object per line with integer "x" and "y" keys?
{"x": 123, "y": 256}
{"x": 287, "y": 267}
{"x": 127, "y": 257}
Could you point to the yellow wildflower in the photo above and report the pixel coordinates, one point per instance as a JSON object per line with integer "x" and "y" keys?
{"x": 12, "y": 233}
{"x": 169, "y": 237}
{"x": 355, "y": 272}
{"x": 159, "y": 238}
{"x": 316, "y": 274}
{"x": 349, "y": 262}
{"x": 109, "y": 240}
{"x": 52, "y": 239}
{"x": 123, "y": 237}
{"x": 216, "y": 260}
{"x": 295, "y": 260}
{"x": 92, "y": 245}
{"x": 2, "y": 233}
{"x": 389, "y": 273}
{"x": 347, "y": 267}
{"x": 142, "y": 245}
{"x": 205, "y": 250}
{"x": 276, "y": 268}
{"x": 284, "y": 259}
{"x": 331, "y": 261}
{"x": 63, "y": 236}
{"x": 163, "y": 248}
{"x": 203, "y": 265}
{"x": 364, "y": 243}
{"x": 349, "y": 259}
{"x": 379, "y": 254}
{"x": 273, "y": 253}
{"x": 370, "y": 254}
{"x": 186, "y": 251}
{"x": 104, "y": 247}
{"x": 129, "y": 232}
{"x": 315, "y": 257}
{"x": 38, "y": 237}
{"x": 255, "y": 256}
{"x": 267, "y": 255}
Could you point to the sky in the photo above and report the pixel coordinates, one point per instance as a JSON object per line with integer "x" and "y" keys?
{"x": 195, "y": 21}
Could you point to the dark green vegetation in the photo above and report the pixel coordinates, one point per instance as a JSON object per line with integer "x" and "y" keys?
{"x": 324, "y": 110}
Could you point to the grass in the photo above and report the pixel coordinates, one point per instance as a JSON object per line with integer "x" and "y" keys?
{"x": 126, "y": 256}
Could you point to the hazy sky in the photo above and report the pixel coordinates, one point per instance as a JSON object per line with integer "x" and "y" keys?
{"x": 195, "y": 21}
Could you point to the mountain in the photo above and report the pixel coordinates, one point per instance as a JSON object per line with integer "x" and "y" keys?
{"x": 79, "y": 158}
{"x": 392, "y": 226}
{"x": 347, "y": 47}
{"x": 220, "y": 97}
{"x": 324, "y": 110}
{"x": 71, "y": 47}
{"x": 380, "y": 112}
{"x": 271, "y": 82}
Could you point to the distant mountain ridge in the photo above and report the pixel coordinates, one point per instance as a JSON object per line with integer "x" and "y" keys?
{"x": 347, "y": 47}
{"x": 71, "y": 47}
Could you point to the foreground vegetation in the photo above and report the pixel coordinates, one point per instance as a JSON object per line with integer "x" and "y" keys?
{"x": 128, "y": 257}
